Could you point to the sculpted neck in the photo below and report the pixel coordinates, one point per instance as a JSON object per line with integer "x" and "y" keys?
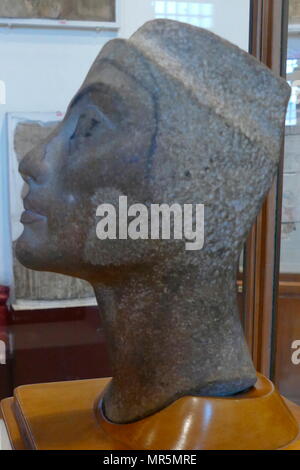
{"x": 171, "y": 335}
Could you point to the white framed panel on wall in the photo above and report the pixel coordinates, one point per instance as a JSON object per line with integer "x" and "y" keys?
{"x": 33, "y": 289}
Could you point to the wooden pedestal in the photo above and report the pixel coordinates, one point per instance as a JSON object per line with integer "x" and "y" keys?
{"x": 68, "y": 415}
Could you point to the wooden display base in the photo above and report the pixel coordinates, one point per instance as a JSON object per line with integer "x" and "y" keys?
{"x": 68, "y": 415}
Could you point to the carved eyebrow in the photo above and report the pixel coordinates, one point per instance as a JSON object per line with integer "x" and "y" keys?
{"x": 96, "y": 87}
{"x": 80, "y": 95}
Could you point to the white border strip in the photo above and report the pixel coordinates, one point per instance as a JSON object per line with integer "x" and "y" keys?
{"x": 47, "y": 304}
{"x": 294, "y": 28}
{"x": 4, "y": 439}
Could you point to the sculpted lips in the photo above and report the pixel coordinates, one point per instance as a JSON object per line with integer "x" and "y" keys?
{"x": 30, "y": 215}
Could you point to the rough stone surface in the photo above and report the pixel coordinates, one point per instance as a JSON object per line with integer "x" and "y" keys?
{"x": 91, "y": 10}
{"x": 173, "y": 115}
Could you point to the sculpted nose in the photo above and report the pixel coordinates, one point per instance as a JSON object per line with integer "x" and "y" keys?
{"x": 32, "y": 166}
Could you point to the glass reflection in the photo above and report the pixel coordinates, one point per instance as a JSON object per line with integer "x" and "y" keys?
{"x": 192, "y": 12}
{"x": 287, "y": 370}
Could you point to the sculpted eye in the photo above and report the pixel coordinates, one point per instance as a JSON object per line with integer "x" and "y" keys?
{"x": 92, "y": 121}
{"x": 85, "y": 126}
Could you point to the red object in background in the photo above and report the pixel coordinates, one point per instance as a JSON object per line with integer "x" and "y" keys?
{"x": 50, "y": 345}
{"x": 5, "y": 384}
{"x": 53, "y": 345}
{"x": 4, "y": 294}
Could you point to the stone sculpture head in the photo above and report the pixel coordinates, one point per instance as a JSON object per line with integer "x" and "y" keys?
{"x": 173, "y": 115}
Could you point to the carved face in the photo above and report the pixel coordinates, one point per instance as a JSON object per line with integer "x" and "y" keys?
{"x": 151, "y": 125}
{"x": 97, "y": 153}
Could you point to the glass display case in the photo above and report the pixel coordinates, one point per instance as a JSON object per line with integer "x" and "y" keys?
{"x": 55, "y": 339}
{"x": 287, "y": 347}
{"x": 52, "y": 329}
